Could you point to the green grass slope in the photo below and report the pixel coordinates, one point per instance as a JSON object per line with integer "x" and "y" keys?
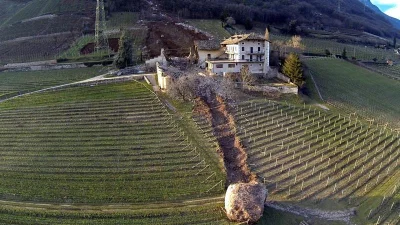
{"x": 211, "y": 26}
{"x": 356, "y": 89}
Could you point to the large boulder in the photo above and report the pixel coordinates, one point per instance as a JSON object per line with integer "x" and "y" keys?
{"x": 244, "y": 202}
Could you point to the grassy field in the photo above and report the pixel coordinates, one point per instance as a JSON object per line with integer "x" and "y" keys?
{"x": 211, "y": 26}
{"x": 14, "y": 82}
{"x": 323, "y": 160}
{"x": 355, "y": 89}
{"x": 102, "y": 145}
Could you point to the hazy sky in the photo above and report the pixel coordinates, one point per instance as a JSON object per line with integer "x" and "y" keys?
{"x": 390, "y": 7}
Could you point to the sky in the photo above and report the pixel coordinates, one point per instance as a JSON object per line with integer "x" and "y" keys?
{"x": 390, "y": 7}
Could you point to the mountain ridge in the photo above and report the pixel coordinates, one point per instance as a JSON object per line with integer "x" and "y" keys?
{"x": 312, "y": 14}
{"x": 395, "y": 22}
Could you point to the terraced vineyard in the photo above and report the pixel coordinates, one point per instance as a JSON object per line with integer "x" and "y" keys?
{"x": 12, "y": 83}
{"x": 114, "y": 145}
{"x": 323, "y": 160}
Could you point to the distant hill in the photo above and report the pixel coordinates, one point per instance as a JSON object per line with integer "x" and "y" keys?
{"x": 312, "y": 14}
{"x": 395, "y": 22}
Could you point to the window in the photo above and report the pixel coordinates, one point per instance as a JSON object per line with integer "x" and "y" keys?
{"x": 242, "y": 49}
{"x": 243, "y": 43}
{"x": 231, "y": 65}
{"x": 251, "y": 58}
{"x": 259, "y": 49}
{"x": 219, "y": 66}
{"x": 242, "y": 57}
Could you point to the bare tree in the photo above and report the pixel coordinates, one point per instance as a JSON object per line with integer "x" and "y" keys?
{"x": 295, "y": 42}
{"x": 192, "y": 86}
{"x": 246, "y": 75}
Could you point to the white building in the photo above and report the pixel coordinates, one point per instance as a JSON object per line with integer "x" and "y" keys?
{"x": 244, "y": 49}
{"x": 207, "y": 50}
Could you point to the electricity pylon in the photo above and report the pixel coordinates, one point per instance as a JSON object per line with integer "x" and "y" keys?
{"x": 101, "y": 40}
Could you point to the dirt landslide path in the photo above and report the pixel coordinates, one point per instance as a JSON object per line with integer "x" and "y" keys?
{"x": 233, "y": 152}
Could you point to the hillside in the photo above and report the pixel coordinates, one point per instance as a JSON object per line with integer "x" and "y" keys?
{"x": 395, "y": 22}
{"x": 293, "y": 16}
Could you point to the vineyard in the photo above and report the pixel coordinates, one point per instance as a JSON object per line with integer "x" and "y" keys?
{"x": 385, "y": 69}
{"x": 38, "y": 8}
{"x": 319, "y": 46}
{"x": 323, "y": 160}
{"x": 105, "y": 144}
{"x": 355, "y": 89}
{"x": 12, "y": 83}
{"x": 34, "y": 49}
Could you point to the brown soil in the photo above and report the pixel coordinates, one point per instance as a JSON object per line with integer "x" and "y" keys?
{"x": 233, "y": 152}
{"x": 113, "y": 44}
{"x": 174, "y": 39}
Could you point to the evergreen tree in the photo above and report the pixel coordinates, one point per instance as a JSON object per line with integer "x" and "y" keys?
{"x": 293, "y": 69}
{"x": 124, "y": 57}
{"x": 344, "y": 54}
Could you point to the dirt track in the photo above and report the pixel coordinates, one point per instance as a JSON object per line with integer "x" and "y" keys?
{"x": 233, "y": 152}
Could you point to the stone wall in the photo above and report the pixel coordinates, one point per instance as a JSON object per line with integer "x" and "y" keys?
{"x": 283, "y": 89}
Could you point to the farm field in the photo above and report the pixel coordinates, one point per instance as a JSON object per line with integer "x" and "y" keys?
{"x": 384, "y": 69}
{"x": 102, "y": 145}
{"x": 355, "y": 89}
{"x": 323, "y": 160}
{"x": 8, "y": 9}
{"x": 37, "y": 8}
{"x": 11, "y": 83}
{"x": 34, "y": 49}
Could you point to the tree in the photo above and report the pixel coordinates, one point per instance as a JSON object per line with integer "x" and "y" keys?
{"x": 245, "y": 75}
{"x": 124, "y": 57}
{"x": 327, "y": 52}
{"x": 248, "y": 24}
{"x": 230, "y": 21}
{"x": 344, "y": 53}
{"x": 293, "y": 69}
{"x": 295, "y": 42}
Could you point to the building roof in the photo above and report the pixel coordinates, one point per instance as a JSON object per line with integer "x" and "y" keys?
{"x": 207, "y": 44}
{"x": 241, "y": 37}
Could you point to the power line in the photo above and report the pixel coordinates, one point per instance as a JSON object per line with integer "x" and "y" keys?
{"x": 101, "y": 40}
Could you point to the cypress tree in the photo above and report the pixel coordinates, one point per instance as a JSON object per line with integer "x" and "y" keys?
{"x": 124, "y": 57}
{"x": 293, "y": 69}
